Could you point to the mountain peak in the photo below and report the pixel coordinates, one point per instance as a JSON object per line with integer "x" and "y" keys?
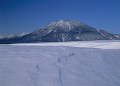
{"x": 65, "y": 21}
{"x": 24, "y": 33}
{"x": 61, "y": 21}
{"x": 65, "y": 24}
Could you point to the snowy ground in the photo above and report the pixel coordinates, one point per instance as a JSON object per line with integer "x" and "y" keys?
{"x": 94, "y": 63}
{"x": 109, "y": 44}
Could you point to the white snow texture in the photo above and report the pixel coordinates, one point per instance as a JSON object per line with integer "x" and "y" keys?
{"x": 60, "y": 64}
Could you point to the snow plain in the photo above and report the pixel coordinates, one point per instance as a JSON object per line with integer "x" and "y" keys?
{"x": 87, "y": 63}
{"x": 109, "y": 44}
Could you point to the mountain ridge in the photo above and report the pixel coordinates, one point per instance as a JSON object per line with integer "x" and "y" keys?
{"x": 63, "y": 30}
{"x": 14, "y": 35}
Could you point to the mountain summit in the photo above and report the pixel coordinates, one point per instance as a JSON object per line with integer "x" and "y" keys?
{"x": 63, "y": 30}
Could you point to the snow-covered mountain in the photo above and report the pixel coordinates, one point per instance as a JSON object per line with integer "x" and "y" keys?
{"x": 23, "y": 34}
{"x": 64, "y": 30}
{"x": 1, "y": 37}
{"x": 12, "y": 36}
{"x": 117, "y": 35}
{"x": 8, "y": 37}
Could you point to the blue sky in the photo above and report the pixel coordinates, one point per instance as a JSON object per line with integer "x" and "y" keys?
{"x": 17, "y": 16}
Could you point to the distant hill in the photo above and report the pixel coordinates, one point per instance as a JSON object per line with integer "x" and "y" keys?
{"x": 14, "y": 36}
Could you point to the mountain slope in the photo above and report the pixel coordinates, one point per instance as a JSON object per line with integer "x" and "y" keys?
{"x": 64, "y": 30}
{"x": 117, "y": 35}
{"x": 1, "y": 37}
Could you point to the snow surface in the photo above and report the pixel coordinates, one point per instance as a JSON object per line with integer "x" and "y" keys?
{"x": 107, "y": 44}
{"x": 60, "y": 64}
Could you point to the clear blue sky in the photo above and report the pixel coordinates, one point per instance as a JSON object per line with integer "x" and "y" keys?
{"x": 17, "y": 16}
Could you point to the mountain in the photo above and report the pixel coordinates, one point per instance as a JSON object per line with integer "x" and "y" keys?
{"x": 1, "y": 37}
{"x": 12, "y": 36}
{"x": 63, "y": 30}
{"x": 117, "y": 35}
{"x": 23, "y": 34}
{"x": 8, "y": 37}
